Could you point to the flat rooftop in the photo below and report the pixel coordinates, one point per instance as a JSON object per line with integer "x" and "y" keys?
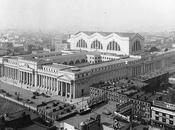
{"x": 123, "y": 86}
{"x": 58, "y": 57}
{"x": 105, "y": 119}
{"x": 18, "y": 114}
{"x": 107, "y": 63}
{"x": 148, "y": 97}
{"x": 151, "y": 75}
{"x": 76, "y": 68}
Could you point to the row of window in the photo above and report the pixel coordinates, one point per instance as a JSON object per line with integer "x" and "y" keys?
{"x": 107, "y": 58}
{"x": 94, "y": 62}
{"x": 164, "y": 120}
{"x": 99, "y": 69}
{"x": 50, "y": 69}
{"x": 76, "y": 62}
{"x": 138, "y": 102}
{"x": 163, "y": 114}
{"x": 113, "y": 45}
{"x": 95, "y": 57}
{"x": 49, "y": 55}
{"x": 12, "y": 62}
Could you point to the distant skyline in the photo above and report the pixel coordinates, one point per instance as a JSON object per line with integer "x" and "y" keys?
{"x": 88, "y": 15}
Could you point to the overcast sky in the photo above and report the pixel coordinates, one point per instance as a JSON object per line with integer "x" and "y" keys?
{"x": 96, "y": 15}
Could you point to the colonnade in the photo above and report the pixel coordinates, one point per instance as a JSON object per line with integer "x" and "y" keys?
{"x": 144, "y": 68}
{"x": 11, "y": 73}
{"x": 26, "y": 78}
{"x": 52, "y": 84}
{"x": 47, "y": 83}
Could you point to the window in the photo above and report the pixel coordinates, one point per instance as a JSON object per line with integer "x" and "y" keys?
{"x": 163, "y": 114}
{"x": 171, "y": 122}
{"x": 82, "y": 43}
{"x": 157, "y": 118}
{"x": 113, "y": 46}
{"x": 163, "y": 120}
{"x": 136, "y": 46}
{"x": 96, "y": 45}
{"x": 171, "y": 116}
{"x": 157, "y": 113}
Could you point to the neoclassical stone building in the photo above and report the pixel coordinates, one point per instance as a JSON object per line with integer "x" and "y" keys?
{"x": 70, "y": 73}
{"x": 111, "y": 42}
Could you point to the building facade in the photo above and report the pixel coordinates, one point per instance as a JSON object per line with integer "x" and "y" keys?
{"x": 111, "y": 42}
{"x": 162, "y": 115}
{"x": 70, "y": 73}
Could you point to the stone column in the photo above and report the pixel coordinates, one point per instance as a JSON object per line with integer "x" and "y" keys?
{"x": 21, "y": 77}
{"x": 44, "y": 81}
{"x": 27, "y": 78}
{"x": 61, "y": 88}
{"x": 70, "y": 93}
{"x": 7, "y": 72}
{"x": 66, "y": 89}
{"x": 32, "y": 77}
{"x": 4, "y": 72}
{"x": 55, "y": 85}
{"x": 38, "y": 79}
{"x": 41, "y": 81}
{"x": 14, "y": 74}
{"x": 11, "y": 73}
{"x": 58, "y": 86}
{"x": 73, "y": 90}
{"x": 19, "y": 80}
{"x": 17, "y": 74}
{"x": 52, "y": 88}
{"x": 48, "y": 83}
{"x": 13, "y": 70}
{"x": 28, "y": 75}
{"x": 24, "y": 77}
{"x": 35, "y": 78}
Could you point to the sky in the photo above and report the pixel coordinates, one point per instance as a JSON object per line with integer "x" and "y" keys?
{"x": 88, "y": 15}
